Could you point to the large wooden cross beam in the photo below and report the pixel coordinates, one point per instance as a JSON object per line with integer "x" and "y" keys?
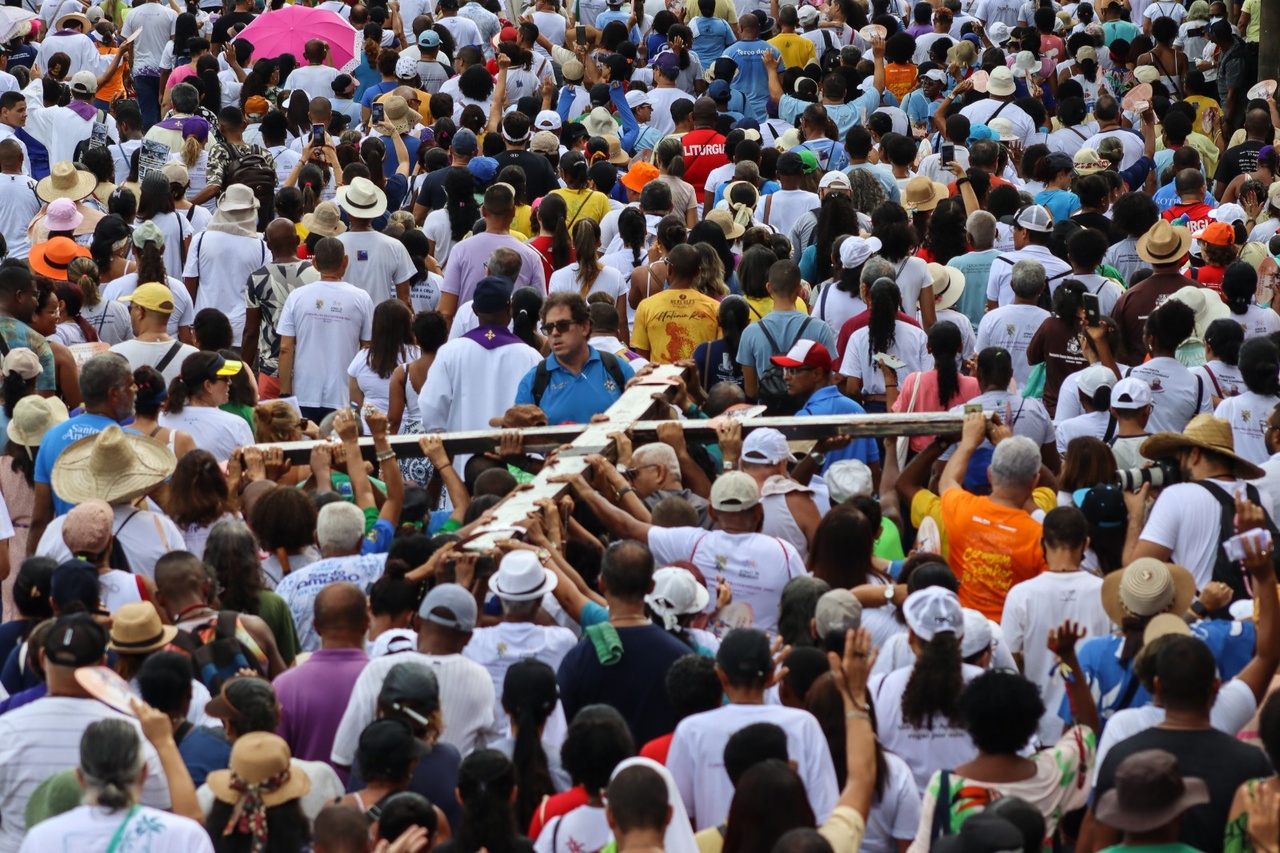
{"x": 628, "y": 415}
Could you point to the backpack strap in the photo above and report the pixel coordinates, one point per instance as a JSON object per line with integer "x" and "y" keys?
{"x": 541, "y": 379}
{"x": 1217, "y": 390}
{"x": 168, "y": 357}
{"x": 941, "y": 808}
{"x": 800, "y": 334}
{"x": 1199, "y": 392}
{"x": 769, "y": 337}
{"x": 611, "y": 366}
{"x": 1130, "y": 690}
{"x": 1109, "y": 437}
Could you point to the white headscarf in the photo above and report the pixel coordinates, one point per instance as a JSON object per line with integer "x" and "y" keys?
{"x": 679, "y": 837}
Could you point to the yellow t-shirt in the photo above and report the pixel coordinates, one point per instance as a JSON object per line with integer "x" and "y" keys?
{"x": 764, "y": 305}
{"x": 523, "y": 221}
{"x": 670, "y": 325}
{"x": 724, "y": 9}
{"x": 1253, "y": 32}
{"x": 584, "y": 204}
{"x": 797, "y": 51}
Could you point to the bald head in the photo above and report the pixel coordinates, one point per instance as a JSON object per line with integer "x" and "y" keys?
{"x": 282, "y": 238}
{"x": 341, "y": 614}
{"x": 314, "y": 51}
{"x": 320, "y": 111}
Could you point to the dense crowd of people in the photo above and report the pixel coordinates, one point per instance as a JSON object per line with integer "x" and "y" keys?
{"x": 358, "y": 227}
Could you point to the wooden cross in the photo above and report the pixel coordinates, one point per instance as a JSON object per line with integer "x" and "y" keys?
{"x": 628, "y": 415}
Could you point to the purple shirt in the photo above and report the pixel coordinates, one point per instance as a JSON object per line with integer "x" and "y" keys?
{"x": 467, "y": 264}
{"x": 313, "y": 697}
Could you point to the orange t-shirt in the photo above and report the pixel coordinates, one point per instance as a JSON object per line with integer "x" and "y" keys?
{"x": 992, "y": 548}
{"x": 900, "y": 79}
{"x": 115, "y": 85}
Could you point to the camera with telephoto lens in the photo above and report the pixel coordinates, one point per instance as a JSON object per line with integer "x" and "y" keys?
{"x": 1163, "y": 472}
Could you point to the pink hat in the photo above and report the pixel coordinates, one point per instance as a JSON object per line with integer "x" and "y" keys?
{"x": 87, "y": 528}
{"x": 62, "y": 215}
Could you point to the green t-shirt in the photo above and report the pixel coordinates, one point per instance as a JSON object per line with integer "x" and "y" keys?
{"x": 243, "y": 410}
{"x": 275, "y": 612}
{"x": 888, "y": 545}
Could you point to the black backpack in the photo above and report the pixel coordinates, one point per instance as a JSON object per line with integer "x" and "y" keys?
{"x": 830, "y": 58}
{"x": 542, "y": 376}
{"x": 251, "y": 169}
{"x": 773, "y": 387}
{"x": 1230, "y": 572}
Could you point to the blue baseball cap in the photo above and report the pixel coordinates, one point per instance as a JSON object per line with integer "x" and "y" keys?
{"x": 492, "y": 294}
{"x": 465, "y": 142}
{"x": 979, "y": 132}
{"x": 482, "y": 168}
{"x": 718, "y": 91}
{"x": 429, "y": 38}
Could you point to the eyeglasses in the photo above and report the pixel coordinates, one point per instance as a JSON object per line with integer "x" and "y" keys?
{"x": 560, "y": 326}
{"x": 792, "y": 371}
{"x": 632, "y": 473}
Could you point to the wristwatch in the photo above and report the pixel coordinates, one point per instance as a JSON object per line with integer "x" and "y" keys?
{"x": 730, "y": 466}
{"x": 819, "y": 458}
{"x": 889, "y": 592}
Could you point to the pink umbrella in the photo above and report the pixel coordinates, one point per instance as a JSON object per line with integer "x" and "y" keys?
{"x": 287, "y": 30}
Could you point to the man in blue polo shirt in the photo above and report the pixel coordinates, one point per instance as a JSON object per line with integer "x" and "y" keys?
{"x": 576, "y": 381}
{"x": 808, "y": 369}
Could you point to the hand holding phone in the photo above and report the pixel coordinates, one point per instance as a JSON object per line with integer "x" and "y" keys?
{"x": 1091, "y": 308}
{"x": 317, "y": 135}
{"x": 377, "y": 113}
{"x": 947, "y": 153}
{"x": 580, "y": 34}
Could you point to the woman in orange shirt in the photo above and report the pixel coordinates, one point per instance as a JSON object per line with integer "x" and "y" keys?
{"x": 899, "y": 71}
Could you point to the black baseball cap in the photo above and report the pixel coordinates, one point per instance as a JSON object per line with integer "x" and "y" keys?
{"x": 411, "y": 689}
{"x": 745, "y": 653}
{"x": 75, "y": 582}
{"x": 388, "y": 740}
{"x": 75, "y": 640}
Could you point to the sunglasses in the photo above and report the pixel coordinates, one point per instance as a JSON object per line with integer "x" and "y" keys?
{"x": 560, "y": 326}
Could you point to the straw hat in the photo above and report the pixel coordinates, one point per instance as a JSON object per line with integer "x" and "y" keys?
{"x": 396, "y": 109}
{"x": 1164, "y": 243}
{"x": 1145, "y": 587}
{"x": 600, "y": 122}
{"x": 113, "y": 466}
{"x": 136, "y": 629}
{"x": 617, "y": 156}
{"x": 33, "y": 416}
{"x": 326, "y": 220}
{"x": 256, "y": 758}
{"x": 66, "y": 181}
{"x": 362, "y": 199}
{"x": 76, "y": 17}
{"x": 1204, "y": 432}
{"x": 948, "y": 285}
{"x": 923, "y": 193}
{"x": 732, "y": 230}
{"x": 1087, "y": 162}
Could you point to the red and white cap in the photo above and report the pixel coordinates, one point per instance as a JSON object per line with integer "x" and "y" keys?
{"x": 806, "y": 354}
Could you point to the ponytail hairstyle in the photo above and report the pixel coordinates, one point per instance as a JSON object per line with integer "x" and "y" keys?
{"x": 84, "y": 272}
{"x": 312, "y": 179}
{"x": 935, "y": 684}
{"x": 1239, "y": 284}
{"x": 486, "y": 781}
{"x": 553, "y": 212}
{"x": 526, "y": 307}
{"x": 373, "y": 151}
{"x": 682, "y": 32}
{"x": 1260, "y": 366}
{"x": 670, "y": 157}
{"x": 945, "y": 343}
{"x": 1225, "y": 337}
{"x": 393, "y": 595}
{"x": 70, "y": 293}
{"x": 672, "y": 232}
{"x": 529, "y": 695}
{"x": 586, "y": 245}
{"x": 459, "y": 189}
{"x": 574, "y": 168}
{"x": 633, "y": 229}
{"x": 1100, "y": 400}
{"x": 1068, "y": 299}
{"x": 150, "y": 259}
{"x": 190, "y": 382}
{"x": 883, "y": 323}
{"x": 111, "y": 761}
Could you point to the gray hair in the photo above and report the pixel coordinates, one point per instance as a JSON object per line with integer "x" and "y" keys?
{"x": 877, "y": 268}
{"x": 102, "y": 373}
{"x": 1027, "y": 279}
{"x": 340, "y": 527}
{"x": 111, "y": 760}
{"x": 1015, "y": 463}
{"x": 657, "y": 454}
{"x": 231, "y": 543}
{"x": 981, "y": 227}
{"x": 505, "y": 262}
{"x": 186, "y": 99}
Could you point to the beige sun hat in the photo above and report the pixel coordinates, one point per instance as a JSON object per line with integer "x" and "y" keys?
{"x": 723, "y": 218}
{"x": 397, "y": 111}
{"x": 33, "y": 416}
{"x": 948, "y": 285}
{"x": 1206, "y": 433}
{"x": 325, "y": 220}
{"x": 923, "y": 193}
{"x": 66, "y": 181}
{"x": 257, "y": 758}
{"x": 113, "y": 466}
{"x": 1145, "y": 587}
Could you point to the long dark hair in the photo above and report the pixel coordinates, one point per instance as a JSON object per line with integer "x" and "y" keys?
{"x": 735, "y": 316}
{"x": 392, "y": 337}
{"x": 184, "y": 386}
{"x": 825, "y": 703}
{"x": 486, "y": 780}
{"x": 459, "y": 188}
{"x": 935, "y": 683}
{"x": 1225, "y": 337}
{"x": 1260, "y": 366}
{"x": 526, "y": 305}
{"x": 553, "y": 215}
{"x": 945, "y": 343}
{"x": 288, "y": 829}
{"x": 768, "y": 801}
{"x": 232, "y": 551}
{"x": 633, "y": 229}
{"x": 882, "y": 326}
{"x": 946, "y": 237}
{"x": 69, "y": 293}
{"x": 199, "y": 495}
{"x": 836, "y": 217}
{"x": 842, "y": 548}
{"x": 529, "y": 695}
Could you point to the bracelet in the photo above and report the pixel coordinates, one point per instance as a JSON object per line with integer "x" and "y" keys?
{"x": 623, "y": 492}
{"x": 384, "y": 455}
{"x": 887, "y": 387}
{"x": 857, "y": 715}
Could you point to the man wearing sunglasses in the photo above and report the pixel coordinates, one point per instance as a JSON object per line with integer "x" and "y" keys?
{"x": 577, "y": 381}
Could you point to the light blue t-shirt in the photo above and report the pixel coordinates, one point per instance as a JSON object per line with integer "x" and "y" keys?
{"x": 918, "y": 107}
{"x": 1061, "y": 203}
{"x": 754, "y": 349}
{"x": 753, "y": 77}
{"x": 976, "y": 267}
{"x": 711, "y": 36}
{"x": 606, "y": 18}
{"x": 1167, "y": 197}
{"x": 831, "y": 154}
{"x": 58, "y": 439}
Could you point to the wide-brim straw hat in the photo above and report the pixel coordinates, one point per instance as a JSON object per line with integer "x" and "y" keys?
{"x": 948, "y": 285}
{"x": 1144, "y": 579}
{"x": 255, "y": 758}
{"x": 397, "y": 111}
{"x": 732, "y": 228}
{"x": 1206, "y": 433}
{"x": 113, "y": 466}
{"x": 923, "y": 193}
{"x": 136, "y": 629}
{"x": 83, "y": 20}
{"x": 66, "y": 181}
{"x": 325, "y": 220}
{"x": 1164, "y": 243}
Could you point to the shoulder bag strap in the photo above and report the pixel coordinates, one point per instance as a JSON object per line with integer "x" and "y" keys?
{"x": 941, "y": 809}
{"x": 999, "y": 110}
{"x": 1130, "y": 690}
{"x": 119, "y": 836}
{"x": 168, "y": 357}
{"x": 1217, "y": 390}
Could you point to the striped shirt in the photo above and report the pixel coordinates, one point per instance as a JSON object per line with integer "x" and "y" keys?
{"x": 466, "y": 701}
{"x": 43, "y": 738}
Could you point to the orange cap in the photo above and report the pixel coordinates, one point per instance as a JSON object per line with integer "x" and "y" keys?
{"x": 638, "y": 175}
{"x": 1217, "y": 234}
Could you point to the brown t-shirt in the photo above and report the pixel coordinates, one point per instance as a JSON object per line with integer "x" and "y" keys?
{"x": 1059, "y": 347}
{"x": 1136, "y": 304}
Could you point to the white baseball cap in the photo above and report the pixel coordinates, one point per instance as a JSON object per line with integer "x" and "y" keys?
{"x": 934, "y": 610}
{"x": 1130, "y": 393}
{"x": 765, "y": 446}
{"x": 848, "y": 478}
{"x": 547, "y": 120}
